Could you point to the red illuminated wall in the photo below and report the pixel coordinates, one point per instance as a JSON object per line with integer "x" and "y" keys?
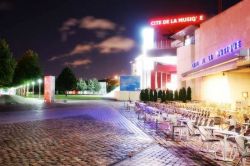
{"x": 163, "y": 75}
{"x": 164, "y": 31}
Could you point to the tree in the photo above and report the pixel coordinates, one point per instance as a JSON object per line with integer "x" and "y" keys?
{"x": 27, "y": 68}
{"x": 81, "y": 85}
{"x": 151, "y": 95}
{"x": 184, "y": 98}
{"x": 167, "y": 95}
{"x": 7, "y": 64}
{"x": 91, "y": 85}
{"x": 163, "y": 98}
{"x": 176, "y": 95}
{"x": 155, "y": 95}
{"x": 171, "y": 95}
{"x": 160, "y": 94}
{"x": 142, "y": 95}
{"x": 189, "y": 94}
{"x": 97, "y": 85}
{"x": 180, "y": 95}
{"x": 146, "y": 95}
{"x": 66, "y": 80}
{"x": 112, "y": 84}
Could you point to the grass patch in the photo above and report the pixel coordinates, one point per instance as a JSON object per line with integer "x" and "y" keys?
{"x": 71, "y": 97}
{"x": 78, "y": 97}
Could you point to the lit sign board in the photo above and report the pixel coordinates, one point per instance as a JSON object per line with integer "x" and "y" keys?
{"x": 49, "y": 89}
{"x": 177, "y": 20}
{"x": 228, "y": 50}
{"x": 129, "y": 83}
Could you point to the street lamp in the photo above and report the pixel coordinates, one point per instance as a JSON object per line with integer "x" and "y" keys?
{"x": 39, "y": 83}
{"x": 33, "y": 84}
{"x": 28, "y": 87}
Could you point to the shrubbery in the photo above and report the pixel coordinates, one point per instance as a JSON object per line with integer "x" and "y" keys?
{"x": 166, "y": 95}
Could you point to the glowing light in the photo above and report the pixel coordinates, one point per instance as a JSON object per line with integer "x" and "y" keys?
{"x": 177, "y": 20}
{"x": 39, "y": 81}
{"x": 147, "y": 39}
{"x": 173, "y": 84}
{"x": 167, "y": 59}
{"x": 49, "y": 89}
{"x": 116, "y": 77}
{"x": 216, "y": 89}
{"x": 33, "y": 83}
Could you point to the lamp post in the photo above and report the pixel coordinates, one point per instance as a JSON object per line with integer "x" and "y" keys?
{"x": 39, "y": 83}
{"x": 28, "y": 87}
{"x": 33, "y": 88}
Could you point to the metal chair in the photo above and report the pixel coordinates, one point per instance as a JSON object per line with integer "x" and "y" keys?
{"x": 210, "y": 141}
{"x": 242, "y": 146}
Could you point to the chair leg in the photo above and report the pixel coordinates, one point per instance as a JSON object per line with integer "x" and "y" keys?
{"x": 201, "y": 146}
{"x": 243, "y": 161}
{"x": 239, "y": 161}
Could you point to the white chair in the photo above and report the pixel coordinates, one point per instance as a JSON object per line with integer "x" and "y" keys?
{"x": 242, "y": 146}
{"x": 208, "y": 140}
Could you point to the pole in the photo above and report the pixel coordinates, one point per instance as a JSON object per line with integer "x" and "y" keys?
{"x": 39, "y": 90}
{"x": 33, "y": 90}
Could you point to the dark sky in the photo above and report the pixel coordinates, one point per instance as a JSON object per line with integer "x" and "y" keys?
{"x": 97, "y": 38}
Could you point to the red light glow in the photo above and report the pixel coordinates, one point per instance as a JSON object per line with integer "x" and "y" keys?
{"x": 177, "y": 20}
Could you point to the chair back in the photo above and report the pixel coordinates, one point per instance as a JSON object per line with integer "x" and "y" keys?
{"x": 205, "y": 122}
{"x": 204, "y": 134}
{"x": 200, "y": 122}
{"x": 230, "y": 128}
{"x": 211, "y": 123}
{"x": 190, "y": 128}
{"x": 238, "y": 129}
{"x": 241, "y": 141}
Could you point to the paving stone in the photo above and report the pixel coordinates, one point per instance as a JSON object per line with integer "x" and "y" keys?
{"x": 70, "y": 141}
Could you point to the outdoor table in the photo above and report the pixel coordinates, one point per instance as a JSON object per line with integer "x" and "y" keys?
{"x": 211, "y": 128}
{"x": 130, "y": 105}
{"x": 247, "y": 137}
{"x": 183, "y": 120}
{"x": 246, "y": 125}
{"x": 226, "y": 134}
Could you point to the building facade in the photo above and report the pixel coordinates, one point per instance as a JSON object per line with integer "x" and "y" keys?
{"x": 216, "y": 63}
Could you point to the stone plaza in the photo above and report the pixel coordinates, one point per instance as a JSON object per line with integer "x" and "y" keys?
{"x": 89, "y": 133}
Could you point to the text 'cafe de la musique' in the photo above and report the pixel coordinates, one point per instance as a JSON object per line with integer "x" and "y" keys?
{"x": 217, "y": 64}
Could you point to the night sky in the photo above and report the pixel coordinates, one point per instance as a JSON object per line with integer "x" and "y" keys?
{"x": 97, "y": 38}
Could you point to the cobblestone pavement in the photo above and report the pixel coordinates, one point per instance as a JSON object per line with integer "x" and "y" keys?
{"x": 91, "y": 133}
{"x": 97, "y": 136}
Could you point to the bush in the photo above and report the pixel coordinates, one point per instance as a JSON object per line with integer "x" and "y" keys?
{"x": 142, "y": 95}
{"x": 176, "y": 95}
{"x": 180, "y": 94}
{"x": 163, "y": 98}
{"x": 167, "y": 95}
{"x": 184, "y": 95}
{"x": 189, "y": 94}
{"x": 171, "y": 95}
{"x": 160, "y": 94}
{"x": 146, "y": 95}
{"x": 155, "y": 95}
{"x": 151, "y": 95}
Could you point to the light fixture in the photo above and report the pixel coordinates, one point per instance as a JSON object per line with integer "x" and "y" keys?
{"x": 147, "y": 39}
{"x": 245, "y": 95}
{"x": 39, "y": 81}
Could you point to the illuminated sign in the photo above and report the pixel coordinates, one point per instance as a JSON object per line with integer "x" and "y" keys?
{"x": 232, "y": 48}
{"x": 129, "y": 83}
{"x": 179, "y": 20}
{"x": 49, "y": 89}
